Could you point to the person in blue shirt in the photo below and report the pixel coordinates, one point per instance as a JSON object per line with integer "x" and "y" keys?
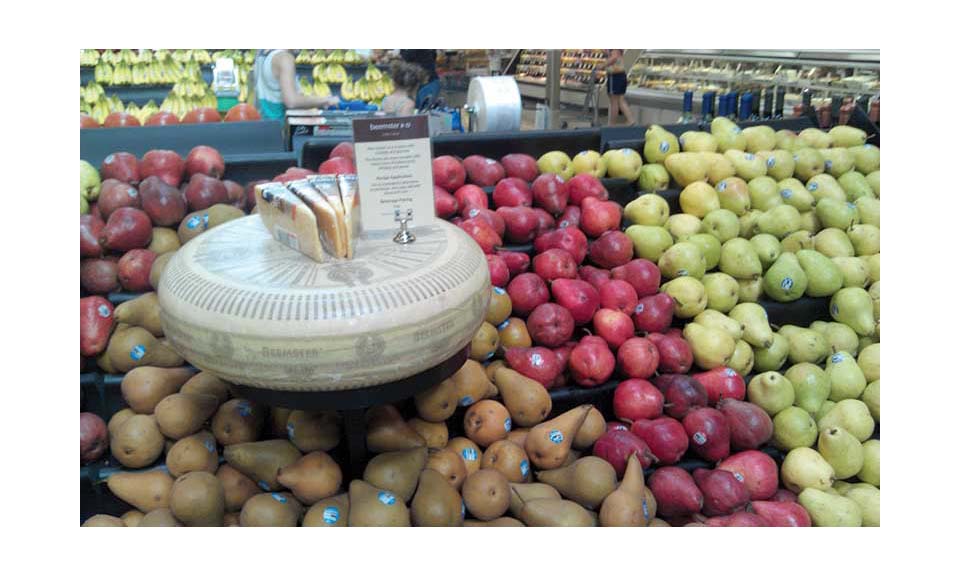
{"x": 275, "y": 86}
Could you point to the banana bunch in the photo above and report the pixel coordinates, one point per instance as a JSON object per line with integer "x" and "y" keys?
{"x": 347, "y": 90}
{"x": 201, "y": 57}
{"x": 133, "y": 110}
{"x": 91, "y": 92}
{"x": 146, "y": 56}
{"x": 181, "y": 56}
{"x": 89, "y": 57}
{"x": 114, "y": 104}
{"x": 335, "y": 57}
{"x": 362, "y": 90}
{"x": 146, "y": 111}
{"x": 249, "y": 56}
{"x": 373, "y": 73}
{"x": 303, "y": 57}
{"x": 351, "y": 57}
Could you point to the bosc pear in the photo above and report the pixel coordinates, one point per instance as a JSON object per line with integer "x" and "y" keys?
{"x": 375, "y": 507}
{"x": 146, "y": 491}
{"x": 519, "y": 493}
{"x": 526, "y": 399}
{"x": 387, "y": 431}
{"x": 262, "y": 461}
{"x": 550, "y": 512}
{"x": 330, "y": 512}
{"x": 397, "y": 471}
{"x": 181, "y": 414}
{"x": 436, "y": 503}
{"x": 588, "y": 481}
{"x": 144, "y": 386}
{"x": 312, "y": 478}
{"x": 549, "y": 442}
{"x": 142, "y": 311}
{"x": 628, "y": 505}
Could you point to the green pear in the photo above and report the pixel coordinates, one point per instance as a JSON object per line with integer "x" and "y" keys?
{"x": 870, "y": 473}
{"x": 854, "y": 307}
{"x": 84, "y": 206}
{"x": 772, "y": 358}
{"x": 738, "y": 259}
{"x": 590, "y": 162}
{"x": 748, "y": 224}
{"x": 865, "y": 239}
{"x": 711, "y": 347}
{"x": 810, "y": 222}
{"x": 729, "y": 136}
{"x": 873, "y": 179}
{"x": 742, "y": 360}
{"x": 873, "y": 267}
{"x": 854, "y": 271}
{"x": 767, "y": 248}
{"x": 623, "y": 163}
{"x": 723, "y": 224}
{"x": 760, "y": 138}
{"x": 793, "y": 427}
{"x": 795, "y": 194}
{"x": 806, "y": 345}
{"x": 649, "y": 242}
{"x": 825, "y": 408}
{"x": 659, "y": 144}
{"x": 734, "y": 195}
{"x": 869, "y": 210}
{"x": 89, "y": 182}
{"x": 722, "y": 290}
{"x": 683, "y": 226}
{"x": 815, "y": 138}
{"x": 797, "y": 241}
{"x": 747, "y": 165}
{"x": 837, "y": 161}
{"x": 787, "y": 140}
{"x": 717, "y": 165}
{"x": 804, "y": 467}
{"x": 647, "y": 210}
{"x": 785, "y": 280}
{"x": 780, "y": 221}
{"x": 719, "y": 320}
{"x": 556, "y": 162}
{"x": 689, "y": 296}
{"x": 750, "y": 289}
{"x": 653, "y": 178}
{"x": 709, "y": 246}
{"x": 840, "y": 337}
{"x": 874, "y": 293}
{"x": 841, "y": 450}
{"x": 823, "y": 276}
{"x": 855, "y": 186}
{"x": 847, "y": 136}
{"x": 756, "y": 326}
{"x": 770, "y": 391}
{"x": 851, "y": 415}
{"x": 867, "y": 497}
{"x": 764, "y": 194}
{"x": 699, "y": 199}
{"x": 869, "y": 362}
{"x": 826, "y": 509}
{"x": 686, "y": 167}
{"x": 807, "y": 163}
{"x": 866, "y": 158}
{"x": 682, "y": 259}
{"x": 826, "y": 186}
{"x": 867, "y": 341}
{"x": 871, "y": 397}
{"x": 693, "y": 141}
{"x": 846, "y": 377}
{"x": 832, "y": 243}
{"x": 779, "y": 163}
{"x": 811, "y": 387}
{"x": 836, "y": 214}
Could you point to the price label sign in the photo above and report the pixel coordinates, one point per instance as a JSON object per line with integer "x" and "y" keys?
{"x": 394, "y": 171}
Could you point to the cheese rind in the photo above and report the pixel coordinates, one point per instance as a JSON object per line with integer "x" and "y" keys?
{"x": 329, "y": 223}
{"x": 350, "y": 195}
{"x": 289, "y": 220}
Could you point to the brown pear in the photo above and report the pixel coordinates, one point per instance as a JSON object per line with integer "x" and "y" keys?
{"x": 156, "y": 270}
{"x": 572, "y": 457}
{"x": 312, "y": 478}
{"x": 138, "y": 441}
{"x": 159, "y": 518}
{"x": 587, "y": 481}
{"x": 659, "y": 523}
{"x": 491, "y": 369}
{"x": 277, "y": 424}
{"x": 117, "y": 420}
{"x": 142, "y": 311}
{"x": 313, "y": 431}
{"x": 435, "y": 434}
{"x": 501, "y": 522}
{"x": 486, "y": 494}
{"x": 330, "y": 512}
{"x": 509, "y": 458}
{"x": 144, "y": 386}
{"x": 593, "y": 428}
{"x": 103, "y": 521}
{"x": 519, "y": 493}
{"x": 197, "y": 499}
{"x": 472, "y": 384}
{"x": 197, "y": 452}
{"x": 231, "y": 520}
{"x": 518, "y": 436}
{"x": 397, "y": 471}
{"x": 180, "y": 415}
{"x": 135, "y": 346}
{"x": 262, "y": 461}
{"x": 526, "y": 399}
{"x": 487, "y": 421}
{"x": 145, "y": 491}
{"x": 207, "y": 383}
{"x": 469, "y": 452}
{"x": 237, "y": 487}
{"x": 549, "y": 443}
{"x": 450, "y": 465}
{"x": 551, "y": 512}
{"x": 375, "y": 507}
{"x": 273, "y": 509}
{"x": 627, "y": 505}
{"x": 132, "y": 518}
{"x": 436, "y": 503}
{"x": 237, "y": 421}
{"x": 437, "y": 403}
{"x": 163, "y": 240}
{"x": 387, "y": 431}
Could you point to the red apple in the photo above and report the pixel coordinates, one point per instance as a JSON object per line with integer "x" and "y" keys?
{"x": 449, "y": 174}
{"x": 521, "y": 223}
{"x": 546, "y": 221}
{"x": 595, "y": 276}
{"x": 554, "y": 263}
{"x": 204, "y": 160}
{"x": 121, "y": 166}
{"x": 471, "y": 196}
{"x": 613, "y": 248}
{"x": 338, "y": 165}
{"x": 598, "y": 216}
{"x": 613, "y": 326}
{"x": 444, "y": 203}
{"x": 520, "y": 166}
{"x": 577, "y": 296}
{"x": 483, "y": 171}
{"x": 570, "y": 217}
{"x": 165, "y": 164}
{"x": 495, "y": 220}
{"x": 722, "y": 382}
{"x": 676, "y": 357}
{"x": 616, "y": 446}
{"x": 549, "y": 193}
{"x": 638, "y": 358}
{"x": 665, "y": 436}
{"x": 517, "y": 262}
{"x": 618, "y": 295}
{"x": 591, "y": 361}
{"x": 570, "y": 239}
{"x": 499, "y": 274}
{"x": 512, "y": 192}
{"x": 550, "y": 325}
{"x": 675, "y": 491}
{"x": 343, "y": 150}
{"x": 584, "y": 186}
{"x": 709, "y": 433}
{"x": 654, "y": 313}
{"x": 756, "y": 470}
{"x": 204, "y": 191}
{"x": 482, "y": 233}
{"x": 637, "y": 399}
{"x": 527, "y": 291}
{"x": 642, "y": 274}
{"x": 537, "y": 363}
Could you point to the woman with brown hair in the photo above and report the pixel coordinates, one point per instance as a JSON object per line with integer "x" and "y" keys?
{"x": 407, "y": 79}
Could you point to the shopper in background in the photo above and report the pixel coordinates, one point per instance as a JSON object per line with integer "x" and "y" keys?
{"x": 617, "y": 88}
{"x": 426, "y": 59}
{"x": 407, "y": 79}
{"x": 275, "y": 85}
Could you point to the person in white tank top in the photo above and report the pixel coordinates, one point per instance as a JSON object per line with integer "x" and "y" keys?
{"x": 275, "y": 86}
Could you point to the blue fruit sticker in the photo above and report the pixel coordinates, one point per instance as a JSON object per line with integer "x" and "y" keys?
{"x": 103, "y": 311}
{"x": 722, "y": 186}
{"x": 279, "y": 498}
{"x": 638, "y": 309}
{"x": 536, "y": 359}
{"x": 244, "y": 409}
{"x": 834, "y": 310}
{"x": 664, "y": 146}
{"x": 786, "y": 193}
{"x": 836, "y": 358}
{"x": 507, "y": 424}
{"x": 786, "y": 283}
{"x": 210, "y": 444}
{"x": 473, "y": 212}
{"x": 132, "y": 192}
{"x": 748, "y": 157}
{"x": 387, "y": 498}
{"x": 138, "y": 352}
{"x": 193, "y": 222}
{"x": 263, "y": 485}
{"x": 626, "y": 151}
{"x": 499, "y": 290}
{"x": 827, "y": 164}
{"x": 736, "y": 130}
{"x": 290, "y": 430}
{"x": 524, "y": 468}
{"x": 466, "y": 401}
{"x": 556, "y": 436}
{"x": 730, "y": 372}
{"x": 469, "y": 454}
{"x": 331, "y": 515}
{"x": 646, "y": 511}
{"x": 504, "y": 324}
{"x": 489, "y": 355}
{"x": 851, "y": 205}
{"x": 682, "y": 272}
{"x": 796, "y": 157}
{"x": 771, "y": 161}
{"x": 463, "y": 510}
{"x": 699, "y": 438}
{"x": 738, "y": 476}
{"x": 812, "y": 186}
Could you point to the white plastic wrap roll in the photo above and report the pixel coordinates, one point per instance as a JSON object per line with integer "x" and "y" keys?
{"x": 496, "y": 103}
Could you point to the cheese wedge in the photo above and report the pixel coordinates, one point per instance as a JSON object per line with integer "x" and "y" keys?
{"x": 350, "y": 195}
{"x": 327, "y": 186}
{"x": 329, "y": 222}
{"x": 289, "y": 220}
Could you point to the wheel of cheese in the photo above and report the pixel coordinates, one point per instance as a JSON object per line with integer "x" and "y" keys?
{"x": 241, "y": 305}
